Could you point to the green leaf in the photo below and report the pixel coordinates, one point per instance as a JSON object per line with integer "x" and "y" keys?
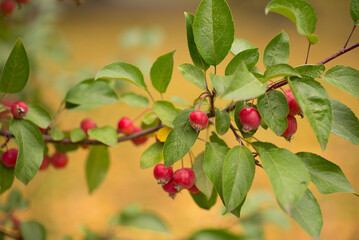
{"x": 277, "y": 50}
{"x": 243, "y": 85}
{"x": 215, "y": 139}
{"x": 107, "y": 135}
{"x": 91, "y": 93}
{"x": 214, "y": 156}
{"x": 287, "y": 174}
{"x": 315, "y": 104}
{"x": 152, "y": 155}
{"x": 237, "y": 176}
{"x": 193, "y": 74}
{"x": 202, "y": 181}
{"x": 354, "y": 11}
{"x": 308, "y": 215}
{"x": 327, "y": 176}
{"x": 77, "y": 135}
{"x": 249, "y": 57}
{"x": 239, "y": 45}
{"x": 149, "y": 120}
{"x": 179, "y": 100}
{"x": 57, "y": 134}
{"x": 299, "y": 12}
{"x": 32, "y": 230}
{"x": 180, "y": 140}
{"x": 6, "y": 177}
{"x": 280, "y": 70}
{"x": 213, "y": 234}
{"x": 97, "y": 164}
{"x": 65, "y": 148}
{"x": 161, "y": 72}
{"x": 134, "y": 100}
{"x": 14, "y": 201}
{"x": 201, "y": 200}
{"x": 166, "y": 112}
{"x": 312, "y": 71}
{"x": 134, "y": 217}
{"x": 122, "y": 71}
{"x": 345, "y": 124}
{"x": 273, "y": 108}
{"x": 220, "y": 82}
{"x": 213, "y": 30}
{"x": 193, "y": 51}
{"x": 16, "y": 70}
{"x": 345, "y": 78}
{"x": 223, "y": 121}
{"x": 239, "y": 106}
{"x": 31, "y": 149}
{"x": 38, "y": 115}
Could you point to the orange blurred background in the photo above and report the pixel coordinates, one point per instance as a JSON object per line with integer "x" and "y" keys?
{"x": 98, "y": 33}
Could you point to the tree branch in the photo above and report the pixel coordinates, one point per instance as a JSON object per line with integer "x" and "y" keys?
{"x": 337, "y": 54}
{"x": 67, "y": 141}
{"x": 9, "y": 233}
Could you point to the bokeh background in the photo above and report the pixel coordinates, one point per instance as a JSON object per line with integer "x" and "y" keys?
{"x": 68, "y": 43}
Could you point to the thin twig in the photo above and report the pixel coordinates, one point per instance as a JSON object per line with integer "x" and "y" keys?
{"x": 67, "y": 141}
{"x": 149, "y": 94}
{"x": 337, "y": 54}
{"x": 350, "y": 35}
{"x": 306, "y": 59}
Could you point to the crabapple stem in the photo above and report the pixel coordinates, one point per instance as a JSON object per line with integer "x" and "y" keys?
{"x": 350, "y": 35}
{"x": 149, "y": 94}
{"x": 306, "y": 59}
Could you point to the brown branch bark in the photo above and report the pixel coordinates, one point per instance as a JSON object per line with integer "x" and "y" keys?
{"x": 67, "y": 141}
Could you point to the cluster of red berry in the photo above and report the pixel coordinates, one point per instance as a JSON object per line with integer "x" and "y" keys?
{"x": 172, "y": 183}
{"x": 7, "y": 7}
{"x": 251, "y": 119}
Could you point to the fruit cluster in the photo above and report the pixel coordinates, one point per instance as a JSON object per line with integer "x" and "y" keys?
{"x": 172, "y": 183}
{"x": 7, "y": 7}
{"x": 251, "y": 119}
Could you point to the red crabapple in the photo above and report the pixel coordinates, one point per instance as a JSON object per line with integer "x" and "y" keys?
{"x": 59, "y": 160}
{"x": 19, "y": 109}
{"x": 87, "y": 124}
{"x": 9, "y": 157}
{"x": 162, "y": 174}
{"x": 7, "y": 7}
{"x": 249, "y": 118}
{"x": 139, "y": 140}
{"x": 45, "y": 163}
{"x": 183, "y": 178}
{"x": 170, "y": 188}
{"x": 125, "y": 125}
{"x": 198, "y": 120}
{"x": 291, "y": 129}
{"x": 294, "y": 108}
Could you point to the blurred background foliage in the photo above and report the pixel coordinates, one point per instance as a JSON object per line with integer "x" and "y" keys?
{"x": 67, "y": 43}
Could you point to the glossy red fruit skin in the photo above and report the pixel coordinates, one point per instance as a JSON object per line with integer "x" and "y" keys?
{"x": 249, "y": 118}
{"x": 193, "y": 190}
{"x": 170, "y": 188}
{"x": 294, "y": 108}
{"x": 19, "y": 109}
{"x": 7, "y": 7}
{"x": 140, "y": 140}
{"x": 42, "y": 130}
{"x": 162, "y": 174}
{"x": 59, "y": 160}
{"x": 9, "y": 157}
{"x": 198, "y": 120}
{"x": 87, "y": 124}
{"x": 125, "y": 125}
{"x": 45, "y": 163}
{"x": 183, "y": 178}
{"x": 291, "y": 129}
